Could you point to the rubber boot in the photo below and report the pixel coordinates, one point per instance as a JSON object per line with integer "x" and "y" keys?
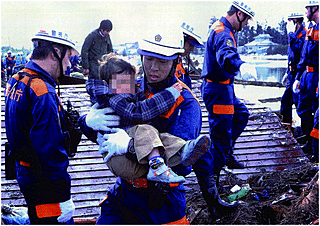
{"x": 231, "y": 160}
{"x": 217, "y": 207}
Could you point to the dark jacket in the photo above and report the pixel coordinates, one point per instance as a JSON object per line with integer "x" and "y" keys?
{"x": 94, "y": 47}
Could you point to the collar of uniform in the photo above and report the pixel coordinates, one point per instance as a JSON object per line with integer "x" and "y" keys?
{"x": 226, "y": 23}
{"x": 300, "y": 29}
{"x": 44, "y": 75}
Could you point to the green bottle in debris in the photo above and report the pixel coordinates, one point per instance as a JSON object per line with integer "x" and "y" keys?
{"x": 243, "y": 192}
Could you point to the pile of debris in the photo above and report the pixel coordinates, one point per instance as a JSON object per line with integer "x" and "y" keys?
{"x": 279, "y": 197}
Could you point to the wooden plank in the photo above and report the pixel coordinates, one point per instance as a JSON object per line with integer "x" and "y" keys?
{"x": 264, "y": 145}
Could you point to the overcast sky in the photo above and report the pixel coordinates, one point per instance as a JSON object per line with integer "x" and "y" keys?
{"x": 20, "y": 20}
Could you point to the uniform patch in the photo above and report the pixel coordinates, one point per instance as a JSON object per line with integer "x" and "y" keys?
{"x": 229, "y": 43}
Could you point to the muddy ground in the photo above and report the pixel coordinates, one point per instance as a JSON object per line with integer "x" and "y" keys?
{"x": 292, "y": 198}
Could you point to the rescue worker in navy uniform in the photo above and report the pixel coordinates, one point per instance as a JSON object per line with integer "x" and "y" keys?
{"x": 227, "y": 115}
{"x": 3, "y": 70}
{"x": 307, "y": 78}
{"x": 33, "y": 118}
{"x": 141, "y": 201}
{"x": 315, "y": 136}
{"x": 191, "y": 40}
{"x": 96, "y": 44}
{"x": 10, "y": 63}
{"x": 296, "y": 38}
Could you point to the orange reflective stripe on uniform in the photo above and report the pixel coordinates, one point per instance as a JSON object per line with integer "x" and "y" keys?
{"x": 22, "y": 163}
{"x": 188, "y": 88}
{"x": 234, "y": 41}
{"x": 179, "y": 100}
{"x": 316, "y": 35}
{"x": 37, "y": 84}
{"x": 48, "y": 210}
{"x": 226, "y": 82}
{"x": 105, "y": 199}
{"x": 310, "y": 69}
{"x": 182, "y": 221}
{"x": 219, "y": 27}
{"x": 179, "y": 69}
{"x": 312, "y": 34}
{"x": 315, "y": 133}
{"x": 168, "y": 113}
{"x": 223, "y": 109}
{"x": 301, "y": 34}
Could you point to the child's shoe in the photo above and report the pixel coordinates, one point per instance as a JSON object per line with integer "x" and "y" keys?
{"x": 164, "y": 174}
{"x": 194, "y": 149}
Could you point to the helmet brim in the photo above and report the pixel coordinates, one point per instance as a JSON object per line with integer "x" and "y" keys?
{"x": 58, "y": 41}
{"x": 195, "y": 43}
{"x": 152, "y": 54}
{"x": 157, "y": 48}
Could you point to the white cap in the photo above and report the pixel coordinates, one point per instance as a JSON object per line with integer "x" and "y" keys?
{"x": 295, "y": 15}
{"x": 56, "y": 37}
{"x": 196, "y": 39}
{"x": 244, "y": 8}
{"x": 312, "y": 3}
{"x": 164, "y": 42}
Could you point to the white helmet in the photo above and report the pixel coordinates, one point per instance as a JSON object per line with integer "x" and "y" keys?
{"x": 192, "y": 37}
{"x": 56, "y": 37}
{"x": 244, "y": 8}
{"x": 295, "y": 16}
{"x": 312, "y": 3}
{"x": 164, "y": 42}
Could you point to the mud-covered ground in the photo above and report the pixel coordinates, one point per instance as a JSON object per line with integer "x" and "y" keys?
{"x": 290, "y": 197}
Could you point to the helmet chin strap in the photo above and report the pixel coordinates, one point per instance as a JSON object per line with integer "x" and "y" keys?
{"x": 240, "y": 21}
{"x": 63, "y": 53}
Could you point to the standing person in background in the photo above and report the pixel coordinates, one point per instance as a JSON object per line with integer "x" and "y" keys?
{"x": 34, "y": 117}
{"x": 227, "y": 115}
{"x": 297, "y": 32}
{"x": 96, "y": 44}
{"x": 307, "y": 78}
{"x": 10, "y": 63}
{"x": 191, "y": 40}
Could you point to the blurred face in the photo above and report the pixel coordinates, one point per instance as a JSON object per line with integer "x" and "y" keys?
{"x": 156, "y": 69}
{"x": 122, "y": 83}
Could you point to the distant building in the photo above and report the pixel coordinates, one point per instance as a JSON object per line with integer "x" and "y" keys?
{"x": 260, "y": 44}
{"x": 126, "y": 49}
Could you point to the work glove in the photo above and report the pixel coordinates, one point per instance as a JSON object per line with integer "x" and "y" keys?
{"x": 67, "y": 211}
{"x": 175, "y": 90}
{"x": 296, "y": 86}
{"x": 291, "y": 27}
{"x": 99, "y": 121}
{"x": 112, "y": 144}
{"x": 248, "y": 70}
{"x": 285, "y": 80}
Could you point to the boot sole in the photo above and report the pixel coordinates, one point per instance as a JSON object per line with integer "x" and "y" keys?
{"x": 201, "y": 147}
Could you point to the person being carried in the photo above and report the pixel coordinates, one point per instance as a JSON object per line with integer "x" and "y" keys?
{"x": 161, "y": 150}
